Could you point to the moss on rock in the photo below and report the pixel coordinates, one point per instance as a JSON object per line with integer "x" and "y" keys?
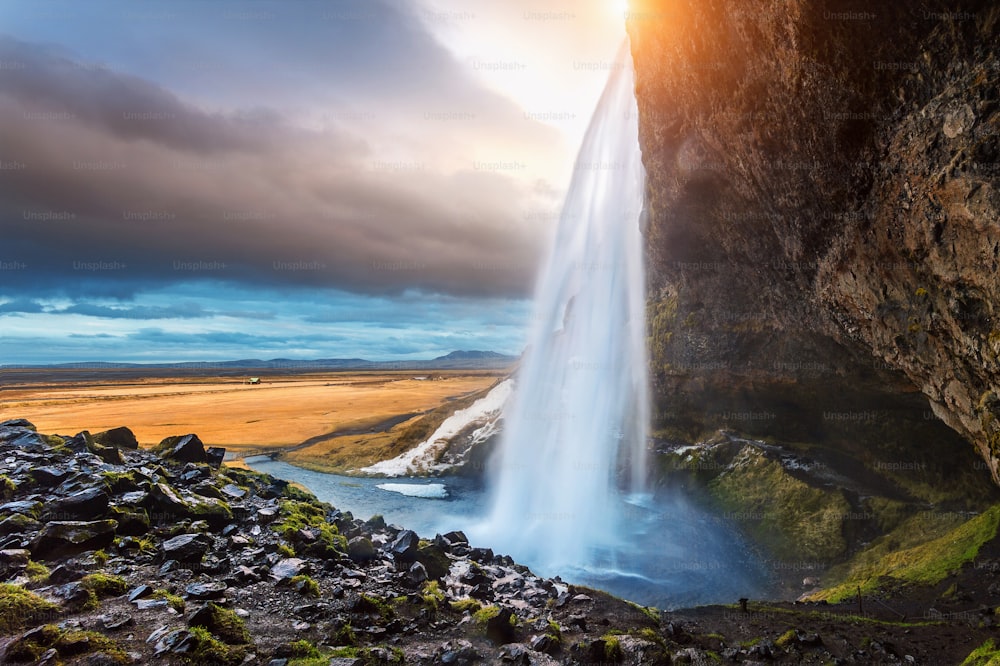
{"x": 788, "y": 516}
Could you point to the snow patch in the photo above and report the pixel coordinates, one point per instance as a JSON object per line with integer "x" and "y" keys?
{"x": 424, "y": 454}
{"x": 425, "y": 490}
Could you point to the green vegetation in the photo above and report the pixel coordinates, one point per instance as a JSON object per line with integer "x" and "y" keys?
{"x": 345, "y": 635}
{"x": 321, "y": 657}
{"x": 888, "y": 562}
{"x": 791, "y": 518}
{"x": 173, "y": 600}
{"x": 305, "y": 585}
{"x": 485, "y": 614}
{"x": 986, "y": 654}
{"x": 226, "y": 625}
{"x": 7, "y": 487}
{"x": 66, "y": 644}
{"x": 210, "y": 650}
{"x": 371, "y": 604}
{"x": 463, "y": 605}
{"x": 785, "y": 639}
{"x": 100, "y": 557}
{"x": 37, "y": 573}
{"x": 298, "y": 515}
{"x": 612, "y": 647}
{"x": 303, "y": 649}
{"x": 20, "y": 607}
{"x": 432, "y": 594}
{"x": 285, "y": 550}
{"x": 652, "y": 612}
{"x": 104, "y": 585}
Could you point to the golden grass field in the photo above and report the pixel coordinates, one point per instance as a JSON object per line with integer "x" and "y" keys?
{"x": 283, "y": 411}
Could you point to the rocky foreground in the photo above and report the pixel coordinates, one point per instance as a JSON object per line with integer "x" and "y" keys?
{"x": 117, "y": 555}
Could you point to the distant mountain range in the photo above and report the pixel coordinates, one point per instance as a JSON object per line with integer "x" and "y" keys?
{"x": 456, "y": 360}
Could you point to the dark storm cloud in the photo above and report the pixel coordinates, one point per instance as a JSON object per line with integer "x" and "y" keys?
{"x": 110, "y": 183}
{"x": 21, "y": 306}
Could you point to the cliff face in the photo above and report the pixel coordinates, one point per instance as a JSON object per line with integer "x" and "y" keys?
{"x": 824, "y": 221}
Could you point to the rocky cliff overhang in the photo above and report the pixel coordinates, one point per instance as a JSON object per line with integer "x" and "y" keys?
{"x": 824, "y": 218}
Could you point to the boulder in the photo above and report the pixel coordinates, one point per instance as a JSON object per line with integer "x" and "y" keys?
{"x": 67, "y": 537}
{"x": 120, "y": 438}
{"x": 186, "y": 547}
{"x": 361, "y": 549}
{"x": 214, "y": 456}
{"x": 88, "y": 504}
{"x": 404, "y": 547}
{"x": 210, "y": 590}
{"x": 287, "y": 568}
{"x": 435, "y": 560}
{"x": 499, "y": 628}
{"x": 49, "y": 476}
{"x": 186, "y": 448}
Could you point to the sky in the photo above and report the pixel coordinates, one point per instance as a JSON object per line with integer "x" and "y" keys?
{"x": 217, "y": 179}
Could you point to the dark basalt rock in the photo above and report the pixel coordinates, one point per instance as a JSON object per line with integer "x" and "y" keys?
{"x": 360, "y": 549}
{"x": 186, "y": 448}
{"x": 50, "y": 476}
{"x": 119, "y": 438}
{"x": 187, "y": 547}
{"x": 405, "y": 546}
{"x": 82, "y": 505}
{"x": 212, "y": 590}
{"x": 73, "y": 536}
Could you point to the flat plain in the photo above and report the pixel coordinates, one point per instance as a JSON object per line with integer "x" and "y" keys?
{"x": 309, "y": 411}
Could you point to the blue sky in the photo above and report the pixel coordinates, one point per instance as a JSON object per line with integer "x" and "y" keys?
{"x": 254, "y": 179}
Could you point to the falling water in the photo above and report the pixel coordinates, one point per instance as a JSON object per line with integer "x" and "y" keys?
{"x": 575, "y": 434}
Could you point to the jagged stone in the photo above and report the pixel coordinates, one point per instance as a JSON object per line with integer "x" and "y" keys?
{"x": 405, "y": 546}
{"x": 186, "y": 448}
{"x": 140, "y": 592}
{"x": 214, "y": 456}
{"x": 361, "y": 549}
{"x": 186, "y": 547}
{"x": 287, "y": 568}
{"x": 49, "y": 476}
{"x": 211, "y": 590}
{"x": 120, "y": 438}
{"x": 435, "y": 560}
{"x": 499, "y": 628}
{"x": 416, "y": 574}
{"x": 86, "y": 504}
{"x": 73, "y": 536}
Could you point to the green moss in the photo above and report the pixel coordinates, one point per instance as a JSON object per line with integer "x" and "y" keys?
{"x": 20, "y": 607}
{"x": 7, "y": 487}
{"x": 612, "y": 647}
{"x": 785, "y": 639}
{"x": 791, "y": 518}
{"x": 174, "y": 601}
{"x": 209, "y": 650}
{"x": 485, "y": 614}
{"x": 297, "y": 515}
{"x": 285, "y": 550}
{"x": 886, "y": 564}
{"x": 120, "y": 482}
{"x": 104, "y": 585}
{"x": 303, "y": 649}
{"x": 305, "y": 585}
{"x": 986, "y": 654}
{"x": 432, "y": 594}
{"x": 100, "y": 557}
{"x": 920, "y": 292}
{"x": 36, "y": 572}
{"x": 67, "y": 644}
{"x": 227, "y": 626}
{"x": 368, "y": 603}
{"x": 650, "y": 612}
{"x": 463, "y": 605}
{"x": 750, "y": 643}
{"x": 344, "y": 635}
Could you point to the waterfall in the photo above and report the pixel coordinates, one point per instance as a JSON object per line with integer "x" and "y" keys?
{"x": 574, "y": 440}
